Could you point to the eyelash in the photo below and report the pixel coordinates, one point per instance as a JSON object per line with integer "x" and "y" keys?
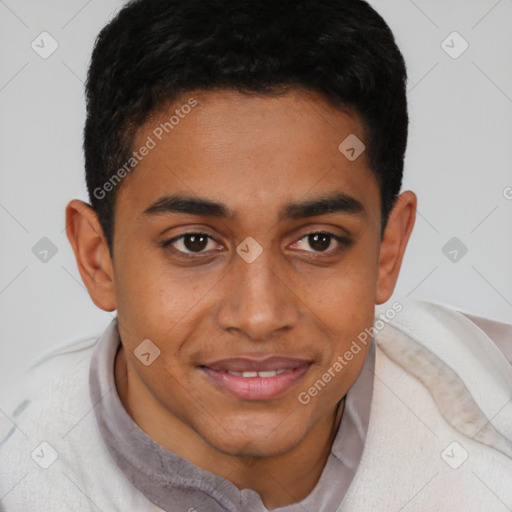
{"x": 343, "y": 242}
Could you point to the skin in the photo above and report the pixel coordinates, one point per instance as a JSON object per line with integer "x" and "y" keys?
{"x": 254, "y": 154}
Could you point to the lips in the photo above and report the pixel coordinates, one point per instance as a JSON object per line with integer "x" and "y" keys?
{"x": 251, "y": 378}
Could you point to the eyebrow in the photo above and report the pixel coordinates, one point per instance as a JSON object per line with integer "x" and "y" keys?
{"x": 193, "y": 205}
{"x": 338, "y": 202}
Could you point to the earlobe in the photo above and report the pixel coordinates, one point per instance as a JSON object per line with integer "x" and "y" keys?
{"x": 393, "y": 245}
{"x": 91, "y": 252}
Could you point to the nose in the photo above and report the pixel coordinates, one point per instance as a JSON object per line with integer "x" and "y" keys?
{"x": 258, "y": 302}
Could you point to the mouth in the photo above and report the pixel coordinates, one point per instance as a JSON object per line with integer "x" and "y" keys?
{"x": 256, "y": 379}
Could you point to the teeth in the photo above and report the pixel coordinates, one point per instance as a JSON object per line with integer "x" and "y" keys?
{"x": 270, "y": 373}
{"x": 265, "y": 374}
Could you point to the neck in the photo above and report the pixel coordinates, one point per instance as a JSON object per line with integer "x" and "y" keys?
{"x": 289, "y": 477}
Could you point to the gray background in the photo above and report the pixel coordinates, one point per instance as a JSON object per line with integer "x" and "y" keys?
{"x": 458, "y": 162}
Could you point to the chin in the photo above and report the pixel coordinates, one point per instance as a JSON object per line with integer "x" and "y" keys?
{"x": 254, "y": 438}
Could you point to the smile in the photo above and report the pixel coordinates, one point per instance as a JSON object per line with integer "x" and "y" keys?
{"x": 252, "y": 379}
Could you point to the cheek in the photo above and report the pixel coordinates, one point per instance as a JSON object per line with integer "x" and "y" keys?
{"x": 145, "y": 287}
{"x": 161, "y": 304}
{"x": 144, "y": 298}
{"x": 345, "y": 300}
{"x": 345, "y": 303}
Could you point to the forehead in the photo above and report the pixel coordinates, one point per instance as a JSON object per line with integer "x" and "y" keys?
{"x": 241, "y": 149}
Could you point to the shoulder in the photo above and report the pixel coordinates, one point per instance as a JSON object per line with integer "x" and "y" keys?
{"x": 55, "y": 382}
{"x": 52, "y": 456}
{"x": 41, "y": 404}
{"x": 443, "y": 348}
{"x": 441, "y": 417}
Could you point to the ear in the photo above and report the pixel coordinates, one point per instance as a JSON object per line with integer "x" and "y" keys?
{"x": 86, "y": 237}
{"x": 394, "y": 241}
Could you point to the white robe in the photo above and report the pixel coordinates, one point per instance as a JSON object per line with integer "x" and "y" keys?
{"x": 439, "y": 437}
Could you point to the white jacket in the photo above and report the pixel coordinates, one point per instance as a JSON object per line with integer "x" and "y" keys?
{"x": 439, "y": 437}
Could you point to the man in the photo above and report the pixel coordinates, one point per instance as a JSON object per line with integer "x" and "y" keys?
{"x": 244, "y": 162}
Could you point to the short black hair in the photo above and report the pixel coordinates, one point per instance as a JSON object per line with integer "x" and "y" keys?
{"x": 153, "y": 51}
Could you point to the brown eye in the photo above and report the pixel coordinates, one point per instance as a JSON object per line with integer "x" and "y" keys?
{"x": 319, "y": 241}
{"x": 322, "y": 242}
{"x": 191, "y": 243}
{"x": 195, "y": 242}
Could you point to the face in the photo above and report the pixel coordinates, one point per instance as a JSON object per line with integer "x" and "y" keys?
{"x": 247, "y": 249}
